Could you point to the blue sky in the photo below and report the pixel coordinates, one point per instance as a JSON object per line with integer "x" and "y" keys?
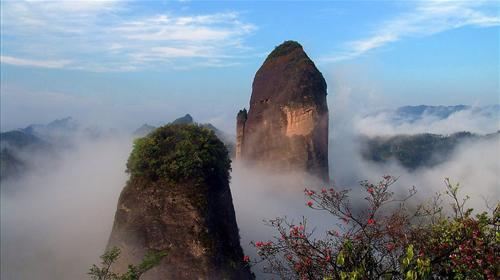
{"x": 131, "y": 62}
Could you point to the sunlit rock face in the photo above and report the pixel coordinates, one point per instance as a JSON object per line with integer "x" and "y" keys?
{"x": 286, "y": 127}
{"x": 178, "y": 201}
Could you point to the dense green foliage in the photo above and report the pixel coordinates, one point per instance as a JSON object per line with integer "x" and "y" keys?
{"x": 463, "y": 245}
{"x": 413, "y": 151}
{"x": 134, "y": 272}
{"x": 178, "y": 153}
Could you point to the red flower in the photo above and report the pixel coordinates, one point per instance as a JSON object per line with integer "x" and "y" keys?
{"x": 370, "y": 190}
{"x": 310, "y": 203}
{"x": 297, "y": 266}
{"x": 389, "y": 247}
{"x": 246, "y": 259}
{"x": 371, "y": 221}
{"x": 260, "y": 244}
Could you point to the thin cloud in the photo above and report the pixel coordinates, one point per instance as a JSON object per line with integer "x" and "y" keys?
{"x": 201, "y": 28}
{"x": 427, "y": 18}
{"x": 105, "y": 36}
{"x": 34, "y": 63}
{"x": 476, "y": 120}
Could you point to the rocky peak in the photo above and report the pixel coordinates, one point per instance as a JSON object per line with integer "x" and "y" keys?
{"x": 287, "y": 122}
{"x": 284, "y": 49}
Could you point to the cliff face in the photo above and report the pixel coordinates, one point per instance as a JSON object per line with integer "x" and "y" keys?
{"x": 178, "y": 200}
{"x": 287, "y": 124}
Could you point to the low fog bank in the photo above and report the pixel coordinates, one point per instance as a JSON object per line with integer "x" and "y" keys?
{"x": 475, "y": 120}
{"x": 473, "y": 164}
{"x": 259, "y": 196}
{"x": 55, "y": 221}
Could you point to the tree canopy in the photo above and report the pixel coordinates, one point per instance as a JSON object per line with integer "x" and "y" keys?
{"x": 178, "y": 153}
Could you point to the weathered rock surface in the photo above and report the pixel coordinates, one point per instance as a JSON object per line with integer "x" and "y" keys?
{"x": 178, "y": 200}
{"x": 241, "y": 119}
{"x": 286, "y": 127}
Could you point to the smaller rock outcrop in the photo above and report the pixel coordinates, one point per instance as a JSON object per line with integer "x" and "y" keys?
{"x": 178, "y": 200}
{"x": 241, "y": 119}
{"x": 187, "y": 119}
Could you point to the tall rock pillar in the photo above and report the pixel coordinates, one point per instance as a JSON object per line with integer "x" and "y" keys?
{"x": 287, "y": 123}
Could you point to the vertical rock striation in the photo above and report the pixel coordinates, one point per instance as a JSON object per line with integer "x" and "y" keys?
{"x": 178, "y": 200}
{"x": 286, "y": 127}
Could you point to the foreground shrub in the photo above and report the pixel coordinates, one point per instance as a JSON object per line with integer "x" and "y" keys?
{"x": 385, "y": 239}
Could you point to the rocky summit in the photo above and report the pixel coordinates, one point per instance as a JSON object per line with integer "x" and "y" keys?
{"x": 286, "y": 126}
{"x": 177, "y": 201}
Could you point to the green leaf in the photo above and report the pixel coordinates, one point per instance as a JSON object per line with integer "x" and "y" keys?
{"x": 409, "y": 252}
{"x": 340, "y": 259}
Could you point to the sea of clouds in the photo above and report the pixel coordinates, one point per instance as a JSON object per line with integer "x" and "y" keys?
{"x": 55, "y": 220}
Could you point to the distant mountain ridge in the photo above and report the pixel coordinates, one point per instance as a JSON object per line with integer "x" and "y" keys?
{"x": 59, "y": 128}
{"x": 19, "y": 139}
{"x": 17, "y": 147}
{"x": 412, "y": 151}
{"x": 144, "y": 130}
{"x": 416, "y": 151}
{"x": 411, "y": 114}
{"x": 49, "y": 139}
{"x": 187, "y": 119}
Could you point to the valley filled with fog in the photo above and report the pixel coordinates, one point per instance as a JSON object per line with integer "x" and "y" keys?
{"x": 57, "y": 216}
